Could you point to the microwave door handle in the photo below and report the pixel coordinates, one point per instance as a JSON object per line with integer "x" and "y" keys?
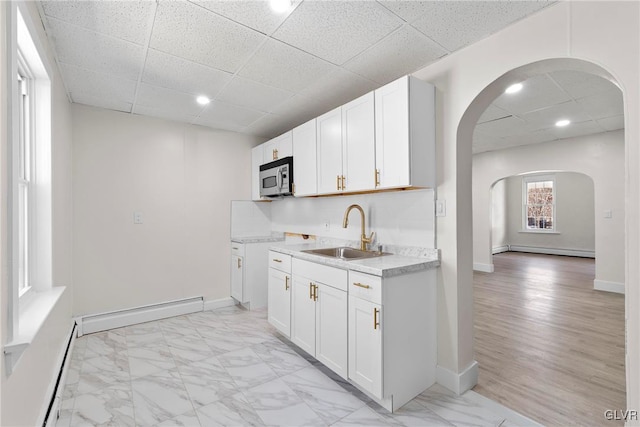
{"x": 279, "y": 178}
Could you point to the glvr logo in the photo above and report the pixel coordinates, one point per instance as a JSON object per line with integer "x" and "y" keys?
{"x": 619, "y": 414}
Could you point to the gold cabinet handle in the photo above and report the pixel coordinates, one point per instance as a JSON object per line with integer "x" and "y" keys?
{"x": 343, "y": 185}
{"x": 276, "y": 154}
{"x": 310, "y": 290}
{"x": 233, "y": 247}
{"x": 286, "y": 283}
{"x": 315, "y": 292}
{"x": 360, "y": 285}
{"x": 337, "y": 182}
{"x": 376, "y": 321}
{"x": 239, "y": 264}
{"x": 276, "y": 260}
{"x": 377, "y": 177}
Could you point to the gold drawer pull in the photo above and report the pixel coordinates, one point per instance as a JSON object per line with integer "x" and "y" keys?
{"x": 239, "y": 263}
{"x": 360, "y": 285}
{"x": 310, "y": 290}
{"x": 286, "y": 283}
{"x": 233, "y": 247}
{"x": 376, "y": 321}
{"x": 377, "y": 177}
{"x": 276, "y": 260}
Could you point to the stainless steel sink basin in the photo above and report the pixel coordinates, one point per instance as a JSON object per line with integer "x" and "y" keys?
{"x": 345, "y": 253}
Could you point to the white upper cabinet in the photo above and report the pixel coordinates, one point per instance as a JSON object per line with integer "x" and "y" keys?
{"x": 278, "y": 147}
{"x": 329, "y": 151}
{"x": 256, "y": 161}
{"x": 358, "y": 144}
{"x": 304, "y": 159}
{"x": 405, "y": 134}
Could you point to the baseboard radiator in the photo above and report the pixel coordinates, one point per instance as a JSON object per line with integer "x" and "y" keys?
{"x": 120, "y": 318}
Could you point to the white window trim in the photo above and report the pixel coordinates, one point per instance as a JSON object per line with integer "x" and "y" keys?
{"x": 536, "y": 178}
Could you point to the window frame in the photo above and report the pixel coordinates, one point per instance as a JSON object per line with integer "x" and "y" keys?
{"x": 528, "y": 179}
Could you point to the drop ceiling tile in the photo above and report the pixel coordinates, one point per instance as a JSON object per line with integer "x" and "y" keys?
{"x": 398, "y": 54}
{"x": 408, "y": 10}
{"x": 602, "y": 105}
{"x": 165, "y": 113}
{"x": 128, "y": 20}
{"x": 254, "y": 14}
{"x": 300, "y": 108}
{"x": 546, "y": 118}
{"x": 338, "y": 87}
{"x": 502, "y": 127}
{"x": 87, "y": 84}
{"x": 492, "y": 113}
{"x": 537, "y": 92}
{"x": 282, "y": 66}
{"x": 179, "y": 74}
{"x": 107, "y": 103}
{"x": 267, "y": 126}
{"x": 170, "y": 100}
{"x": 454, "y": 24}
{"x": 580, "y": 84}
{"x": 87, "y": 49}
{"x": 336, "y": 30}
{"x": 189, "y": 31}
{"x": 577, "y": 129}
{"x": 250, "y": 94}
{"x": 221, "y": 115}
{"x": 612, "y": 123}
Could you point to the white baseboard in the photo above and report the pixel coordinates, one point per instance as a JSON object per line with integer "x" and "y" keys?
{"x": 118, "y": 319}
{"x": 500, "y": 249}
{"x": 458, "y": 383}
{"x": 56, "y": 388}
{"x": 486, "y": 268}
{"x": 219, "y": 303}
{"x": 553, "y": 251}
{"x": 603, "y": 285}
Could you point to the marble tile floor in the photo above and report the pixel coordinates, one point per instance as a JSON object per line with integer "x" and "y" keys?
{"x": 229, "y": 367}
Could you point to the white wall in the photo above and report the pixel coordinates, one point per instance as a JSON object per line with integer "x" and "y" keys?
{"x": 600, "y": 157}
{"x": 603, "y": 35}
{"x": 499, "y": 215}
{"x": 404, "y": 218}
{"x": 182, "y": 179}
{"x": 575, "y": 216}
{"x": 23, "y": 395}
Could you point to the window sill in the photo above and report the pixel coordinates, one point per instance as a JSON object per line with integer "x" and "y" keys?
{"x": 33, "y": 314}
{"x": 539, "y": 232}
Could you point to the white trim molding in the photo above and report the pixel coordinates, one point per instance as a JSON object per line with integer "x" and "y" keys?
{"x": 486, "y": 268}
{"x": 215, "y": 304}
{"x": 553, "y": 251}
{"x": 500, "y": 249}
{"x": 458, "y": 383}
{"x": 603, "y": 285}
{"x": 48, "y": 416}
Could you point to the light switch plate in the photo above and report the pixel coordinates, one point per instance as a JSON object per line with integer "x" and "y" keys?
{"x": 137, "y": 217}
{"x": 441, "y": 208}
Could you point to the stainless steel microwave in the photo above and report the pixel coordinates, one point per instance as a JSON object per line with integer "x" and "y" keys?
{"x": 276, "y": 178}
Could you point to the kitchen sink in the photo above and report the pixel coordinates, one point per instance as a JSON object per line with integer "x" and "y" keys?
{"x": 345, "y": 253}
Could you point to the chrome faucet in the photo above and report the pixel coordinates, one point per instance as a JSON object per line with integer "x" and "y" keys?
{"x": 363, "y": 237}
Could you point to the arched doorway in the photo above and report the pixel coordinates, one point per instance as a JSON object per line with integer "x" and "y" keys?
{"x": 503, "y": 165}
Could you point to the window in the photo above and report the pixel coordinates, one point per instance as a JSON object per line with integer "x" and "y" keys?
{"x": 539, "y": 203}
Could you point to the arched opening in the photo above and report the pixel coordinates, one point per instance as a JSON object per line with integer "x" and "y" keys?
{"x": 518, "y": 137}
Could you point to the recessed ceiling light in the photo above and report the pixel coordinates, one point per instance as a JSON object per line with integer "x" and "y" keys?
{"x": 203, "y": 100}
{"x": 563, "y": 123}
{"x": 514, "y": 88}
{"x": 280, "y": 6}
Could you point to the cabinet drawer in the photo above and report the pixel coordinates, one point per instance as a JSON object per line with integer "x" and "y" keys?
{"x": 237, "y": 249}
{"x": 280, "y": 261}
{"x": 365, "y": 286}
{"x": 330, "y": 276}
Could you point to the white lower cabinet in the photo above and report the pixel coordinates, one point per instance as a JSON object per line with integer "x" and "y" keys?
{"x": 237, "y": 279}
{"x": 279, "y": 293}
{"x": 319, "y": 313}
{"x": 365, "y": 345}
{"x": 248, "y": 282}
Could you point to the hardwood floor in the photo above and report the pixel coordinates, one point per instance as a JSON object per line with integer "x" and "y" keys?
{"x": 547, "y": 344}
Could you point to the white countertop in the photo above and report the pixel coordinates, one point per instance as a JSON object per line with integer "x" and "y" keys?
{"x": 384, "y": 266}
{"x": 258, "y": 239}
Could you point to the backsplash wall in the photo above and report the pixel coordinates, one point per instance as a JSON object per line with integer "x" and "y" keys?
{"x": 403, "y": 218}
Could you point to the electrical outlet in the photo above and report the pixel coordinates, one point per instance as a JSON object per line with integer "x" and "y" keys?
{"x": 441, "y": 208}
{"x": 137, "y": 217}
{"x": 327, "y": 225}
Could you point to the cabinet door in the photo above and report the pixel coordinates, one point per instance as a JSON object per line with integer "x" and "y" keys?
{"x": 237, "y": 279}
{"x": 392, "y": 133}
{"x": 304, "y": 159}
{"x": 329, "y": 148}
{"x": 365, "y": 345}
{"x": 279, "y": 301}
{"x": 331, "y": 329}
{"x": 303, "y": 315}
{"x": 256, "y": 161}
{"x": 277, "y": 148}
{"x": 358, "y": 144}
